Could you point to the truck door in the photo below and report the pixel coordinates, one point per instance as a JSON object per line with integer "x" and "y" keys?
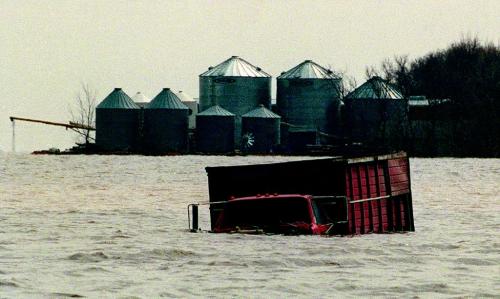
{"x": 331, "y": 210}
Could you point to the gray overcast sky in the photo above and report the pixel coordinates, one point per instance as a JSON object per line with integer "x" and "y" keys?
{"x": 48, "y": 47}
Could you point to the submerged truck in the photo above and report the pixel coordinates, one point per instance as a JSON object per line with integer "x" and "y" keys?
{"x": 326, "y": 196}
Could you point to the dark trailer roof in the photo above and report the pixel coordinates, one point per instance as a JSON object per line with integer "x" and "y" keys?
{"x": 316, "y": 177}
{"x": 324, "y": 176}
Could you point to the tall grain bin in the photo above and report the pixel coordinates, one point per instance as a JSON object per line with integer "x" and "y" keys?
{"x": 117, "y": 121}
{"x": 260, "y": 130}
{"x": 166, "y": 124}
{"x": 140, "y": 99}
{"x": 192, "y": 104}
{"x": 215, "y": 130}
{"x": 308, "y": 98}
{"x": 376, "y": 114}
{"x": 237, "y": 86}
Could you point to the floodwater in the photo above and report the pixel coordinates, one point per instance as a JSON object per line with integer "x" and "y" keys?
{"x": 116, "y": 226}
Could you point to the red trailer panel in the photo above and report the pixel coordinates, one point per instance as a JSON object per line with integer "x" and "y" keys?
{"x": 373, "y": 207}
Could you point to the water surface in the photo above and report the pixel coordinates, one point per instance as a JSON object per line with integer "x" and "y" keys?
{"x": 115, "y": 226}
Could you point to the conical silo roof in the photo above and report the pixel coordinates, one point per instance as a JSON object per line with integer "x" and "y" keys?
{"x": 215, "y": 111}
{"x": 235, "y": 67}
{"x": 117, "y": 99}
{"x": 184, "y": 97}
{"x": 261, "y": 112}
{"x": 166, "y": 99}
{"x": 308, "y": 70}
{"x": 375, "y": 88}
{"x": 139, "y": 97}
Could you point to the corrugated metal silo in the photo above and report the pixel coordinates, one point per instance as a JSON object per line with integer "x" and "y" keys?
{"x": 376, "y": 114}
{"x": 308, "y": 98}
{"x": 192, "y": 104}
{"x": 260, "y": 130}
{"x": 166, "y": 124}
{"x": 140, "y": 99}
{"x": 215, "y": 130}
{"x": 237, "y": 86}
{"x": 117, "y": 121}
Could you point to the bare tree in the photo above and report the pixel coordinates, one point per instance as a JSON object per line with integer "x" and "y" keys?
{"x": 347, "y": 84}
{"x": 371, "y": 71}
{"x": 343, "y": 86}
{"x": 83, "y": 111}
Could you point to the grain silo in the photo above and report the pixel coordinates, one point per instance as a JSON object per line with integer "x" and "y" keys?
{"x": 237, "y": 86}
{"x": 166, "y": 124}
{"x": 140, "y": 99}
{"x": 215, "y": 130}
{"x": 376, "y": 114}
{"x": 308, "y": 98}
{"x": 260, "y": 130}
{"x": 192, "y": 104}
{"x": 117, "y": 121}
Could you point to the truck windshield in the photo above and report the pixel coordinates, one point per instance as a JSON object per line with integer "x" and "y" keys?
{"x": 265, "y": 212}
{"x": 329, "y": 210}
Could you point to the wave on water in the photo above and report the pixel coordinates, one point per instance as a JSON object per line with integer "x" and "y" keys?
{"x": 168, "y": 254}
{"x": 120, "y": 235}
{"x": 6, "y": 283}
{"x": 66, "y": 295}
{"x": 476, "y": 261}
{"x": 89, "y": 257}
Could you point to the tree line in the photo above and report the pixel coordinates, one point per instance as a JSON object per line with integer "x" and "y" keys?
{"x": 468, "y": 74}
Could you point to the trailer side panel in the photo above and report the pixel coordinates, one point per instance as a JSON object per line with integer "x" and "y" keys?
{"x": 386, "y": 180}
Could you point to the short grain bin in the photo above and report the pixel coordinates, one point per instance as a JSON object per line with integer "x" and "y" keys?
{"x": 215, "y": 130}
{"x": 166, "y": 124}
{"x": 117, "y": 121}
{"x": 260, "y": 130}
{"x": 140, "y": 99}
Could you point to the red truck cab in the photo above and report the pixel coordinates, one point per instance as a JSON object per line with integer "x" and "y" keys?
{"x": 284, "y": 214}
